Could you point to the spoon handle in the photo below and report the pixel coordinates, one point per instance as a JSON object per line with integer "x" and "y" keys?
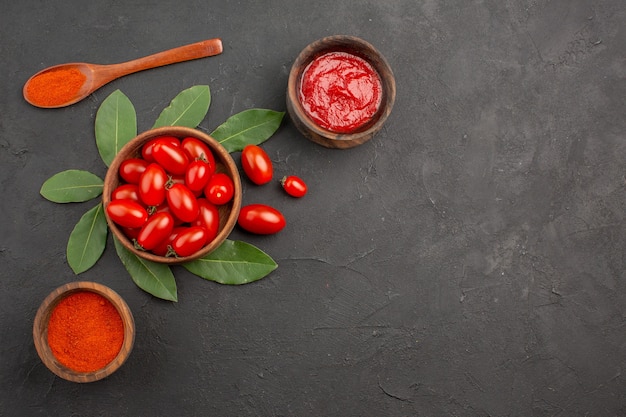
{"x": 196, "y": 50}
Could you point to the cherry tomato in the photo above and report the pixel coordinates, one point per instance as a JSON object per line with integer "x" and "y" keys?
{"x": 130, "y": 233}
{"x": 152, "y": 185}
{"x": 294, "y": 186}
{"x": 127, "y": 213}
{"x": 164, "y": 208}
{"x": 182, "y": 203}
{"x": 261, "y": 219}
{"x": 197, "y": 149}
{"x": 148, "y": 148}
{"x": 131, "y": 169}
{"x": 172, "y": 158}
{"x": 177, "y": 179}
{"x": 156, "y": 229}
{"x": 256, "y": 164}
{"x": 180, "y": 179}
{"x": 126, "y": 192}
{"x": 197, "y": 175}
{"x": 209, "y": 218}
{"x": 189, "y": 241}
{"x": 220, "y": 189}
{"x": 164, "y": 247}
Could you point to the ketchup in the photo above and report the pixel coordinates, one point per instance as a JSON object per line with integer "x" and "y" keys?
{"x": 340, "y": 91}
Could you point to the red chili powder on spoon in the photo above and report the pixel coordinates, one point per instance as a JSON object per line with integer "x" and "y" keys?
{"x": 55, "y": 87}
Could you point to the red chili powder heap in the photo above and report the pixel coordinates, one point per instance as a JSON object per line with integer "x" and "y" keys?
{"x": 85, "y": 331}
{"x": 340, "y": 91}
{"x": 55, "y": 87}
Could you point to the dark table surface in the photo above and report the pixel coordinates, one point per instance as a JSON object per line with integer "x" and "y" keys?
{"x": 467, "y": 261}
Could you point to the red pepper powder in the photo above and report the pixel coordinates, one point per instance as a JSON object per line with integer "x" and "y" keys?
{"x": 55, "y": 87}
{"x": 340, "y": 91}
{"x": 85, "y": 331}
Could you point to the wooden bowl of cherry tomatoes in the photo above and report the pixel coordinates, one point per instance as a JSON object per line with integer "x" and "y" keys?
{"x": 172, "y": 195}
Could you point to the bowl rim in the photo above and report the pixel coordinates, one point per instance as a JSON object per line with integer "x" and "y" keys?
{"x": 358, "y": 47}
{"x": 40, "y": 331}
{"x": 220, "y": 154}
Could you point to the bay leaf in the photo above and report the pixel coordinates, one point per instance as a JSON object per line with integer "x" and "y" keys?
{"x": 249, "y": 127}
{"x": 187, "y": 109}
{"x": 88, "y": 240}
{"x": 152, "y": 277}
{"x": 116, "y": 125}
{"x": 72, "y": 186}
{"x": 234, "y": 263}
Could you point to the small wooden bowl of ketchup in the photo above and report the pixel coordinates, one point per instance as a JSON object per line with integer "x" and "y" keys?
{"x": 340, "y": 91}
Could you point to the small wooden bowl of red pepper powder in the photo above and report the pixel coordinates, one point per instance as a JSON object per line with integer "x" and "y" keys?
{"x": 83, "y": 331}
{"x": 340, "y": 91}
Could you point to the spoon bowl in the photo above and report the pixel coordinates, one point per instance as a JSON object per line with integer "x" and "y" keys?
{"x": 94, "y": 78}
{"x": 97, "y": 75}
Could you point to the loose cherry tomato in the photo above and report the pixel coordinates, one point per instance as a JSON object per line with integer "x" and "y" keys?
{"x": 256, "y": 164}
{"x": 261, "y": 219}
{"x": 220, "y": 189}
{"x": 197, "y": 175}
{"x": 148, "y": 148}
{"x": 172, "y": 158}
{"x": 209, "y": 218}
{"x": 127, "y": 213}
{"x": 152, "y": 185}
{"x": 126, "y": 192}
{"x": 182, "y": 203}
{"x": 156, "y": 229}
{"x": 131, "y": 169}
{"x": 197, "y": 149}
{"x": 189, "y": 241}
{"x": 294, "y": 186}
{"x": 163, "y": 248}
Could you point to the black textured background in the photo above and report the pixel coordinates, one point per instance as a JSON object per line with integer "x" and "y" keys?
{"x": 468, "y": 261}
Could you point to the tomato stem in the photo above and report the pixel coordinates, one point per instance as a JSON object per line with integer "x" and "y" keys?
{"x": 137, "y": 245}
{"x": 171, "y": 253}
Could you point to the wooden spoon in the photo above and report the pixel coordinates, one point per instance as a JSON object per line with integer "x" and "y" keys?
{"x": 99, "y": 75}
